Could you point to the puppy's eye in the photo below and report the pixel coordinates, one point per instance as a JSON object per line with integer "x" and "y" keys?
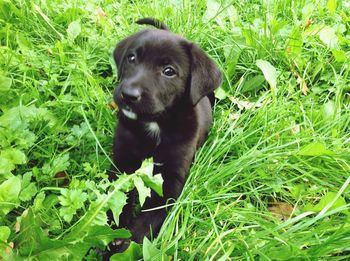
{"x": 169, "y": 71}
{"x": 131, "y": 58}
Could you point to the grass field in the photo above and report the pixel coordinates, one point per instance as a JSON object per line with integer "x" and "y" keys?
{"x": 270, "y": 183}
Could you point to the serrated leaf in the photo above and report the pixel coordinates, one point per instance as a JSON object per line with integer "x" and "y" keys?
{"x": 96, "y": 208}
{"x": 133, "y": 252}
{"x": 71, "y": 201}
{"x": 28, "y": 192}
{"x": 315, "y": 149}
{"x": 116, "y": 204}
{"x": 74, "y": 29}
{"x": 270, "y": 73}
{"x": 9, "y": 191}
{"x": 143, "y": 191}
{"x": 5, "y": 83}
{"x": 29, "y": 189}
{"x": 328, "y": 37}
{"x": 155, "y": 182}
{"x": 146, "y": 167}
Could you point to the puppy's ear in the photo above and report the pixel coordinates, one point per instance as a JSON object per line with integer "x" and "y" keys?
{"x": 205, "y": 76}
{"x": 120, "y": 52}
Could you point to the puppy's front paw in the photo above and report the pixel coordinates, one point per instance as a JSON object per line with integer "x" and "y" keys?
{"x": 117, "y": 246}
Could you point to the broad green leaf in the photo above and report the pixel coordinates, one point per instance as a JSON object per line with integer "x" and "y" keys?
{"x": 328, "y": 37}
{"x": 253, "y": 84}
{"x": 116, "y": 204}
{"x": 15, "y": 156}
{"x": 4, "y": 233}
{"x": 295, "y": 43}
{"x": 332, "y": 6}
{"x": 9, "y": 191}
{"x": 220, "y": 93}
{"x": 307, "y": 11}
{"x": 339, "y": 55}
{"x": 324, "y": 201}
{"x": 143, "y": 191}
{"x": 213, "y": 8}
{"x": 34, "y": 242}
{"x": 146, "y": 167}
{"x": 329, "y": 109}
{"x": 41, "y": 247}
{"x": 134, "y": 252}
{"x": 6, "y": 166}
{"x": 9, "y": 158}
{"x": 315, "y": 149}
{"x": 5, "y": 83}
{"x": 270, "y": 74}
{"x": 279, "y": 252}
{"x": 154, "y": 182}
{"x": 71, "y": 201}
{"x": 28, "y": 192}
{"x": 23, "y": 43}
{"x": 101, "y": 236}
{"x": 74, "y": 29}
{"x": 150, "y": 252}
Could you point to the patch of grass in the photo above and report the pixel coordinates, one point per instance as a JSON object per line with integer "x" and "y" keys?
{"x": 285, "y": 145}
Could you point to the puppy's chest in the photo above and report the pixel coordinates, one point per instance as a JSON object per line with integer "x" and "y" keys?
{"x": 153, "y": 131}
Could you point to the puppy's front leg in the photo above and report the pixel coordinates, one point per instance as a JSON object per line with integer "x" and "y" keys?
{"x": 174, "y": 165}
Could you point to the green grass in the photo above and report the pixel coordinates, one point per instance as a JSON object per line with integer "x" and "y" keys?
{"x": 291, "y": 149}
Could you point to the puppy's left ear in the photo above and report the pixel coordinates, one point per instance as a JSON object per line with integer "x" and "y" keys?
{"x": 205, "y": 75}
{"x": 120, "y": 52}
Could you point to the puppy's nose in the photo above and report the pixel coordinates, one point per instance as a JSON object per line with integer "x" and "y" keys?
{"x": 131, "y": 94}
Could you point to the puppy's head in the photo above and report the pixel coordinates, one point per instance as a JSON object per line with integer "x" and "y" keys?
{"x": 156, "y": 69}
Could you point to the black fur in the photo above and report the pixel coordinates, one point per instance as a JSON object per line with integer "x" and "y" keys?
{"x": 179, "y": 105}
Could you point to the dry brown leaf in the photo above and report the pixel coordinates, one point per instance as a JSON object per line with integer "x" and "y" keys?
{"x": 113, "y": 106}
{"x": 295, "y": 128}
{"x": 17, "y": 226}
{"x": 62, "y": 178}
{"x": 303, "y": 86}
{"x": 247, "y": 105}
{"x": 281, "y": 210}
{"x": 100, "y": 13}
{"x": 9, "y": 248}
{"x": 308, "y": 23}
{"x": 234, "y": 116}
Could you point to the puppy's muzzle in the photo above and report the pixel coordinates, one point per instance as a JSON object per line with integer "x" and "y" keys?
{"x": 131, "y": 94}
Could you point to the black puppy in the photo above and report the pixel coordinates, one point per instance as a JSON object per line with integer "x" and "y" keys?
{"x": 165, "y": 113}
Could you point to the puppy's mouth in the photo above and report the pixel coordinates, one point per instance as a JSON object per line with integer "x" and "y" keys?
{"x": 132, "y": 115}
{"x": 128, "y": 113}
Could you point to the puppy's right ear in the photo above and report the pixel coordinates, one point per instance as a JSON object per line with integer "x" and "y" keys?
{"x": 120, "y": 52}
